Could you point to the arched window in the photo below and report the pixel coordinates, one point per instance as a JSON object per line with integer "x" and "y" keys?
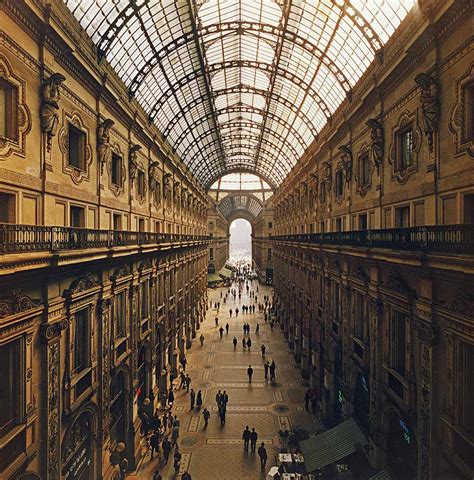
{"x": 117, "y": 409}
{"x": 77, "y": 450}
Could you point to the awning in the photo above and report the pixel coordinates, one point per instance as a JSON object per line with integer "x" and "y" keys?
{"x": 382, "y": 475}
{"x": 225, "y": 272}
{"x": 213, "y": 278}
{"x": 333, "y": 445}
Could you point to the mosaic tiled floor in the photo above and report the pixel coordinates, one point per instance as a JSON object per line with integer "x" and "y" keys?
{"x": 217, "y": 452}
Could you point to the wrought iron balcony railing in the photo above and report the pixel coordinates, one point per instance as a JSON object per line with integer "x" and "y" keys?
{"x": 33, "y": 238}
{"x": 435, "y": 238}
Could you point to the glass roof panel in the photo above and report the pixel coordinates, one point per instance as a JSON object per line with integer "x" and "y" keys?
{"x": 240, "y": 83}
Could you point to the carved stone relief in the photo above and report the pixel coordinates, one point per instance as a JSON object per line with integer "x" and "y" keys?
{"x": 133, "y": 161}
{"x": 53, "y": 411}
{"x": 21, "y": 117}
{"x": 430, "y": 107}
{"x": 377, "y": 142}
{"x": 50, "y": 106}
{"x": 104, "y": 150}
{"x": 16, "y": 303}
{"x": 458, "y": 121}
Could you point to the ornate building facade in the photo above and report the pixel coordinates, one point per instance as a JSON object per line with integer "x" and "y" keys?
{"x": 373, "y": 252}
{"x": 362, "y": 211}
{"x": 103, "y": 256}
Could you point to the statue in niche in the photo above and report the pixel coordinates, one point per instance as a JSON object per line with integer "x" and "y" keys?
{"x": 429, "y": 105}
{"x": 103, "y": 143}
{"x": 167, "y": 189}
{"x": 176, "y": 197}
{"x": 313, "y": 192}
{"x": 155, "y": 187}
{"x": 377, "y": 144}
{"x": 50, "y": 106}
{"x": 327, "y": 175}
{"x": 133, "y": 161}
{"x": 346, "y": 160}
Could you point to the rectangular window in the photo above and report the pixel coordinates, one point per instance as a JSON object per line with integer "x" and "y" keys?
{"x": 141, "y": 224}
{"x": 322, "y": 227}
{"x": 364, "y": 170}
{"x": 76, "y": 147}
{"x": 211, "y": 253}
{"x": 402, "y": 217}
{"x": 398, "y": 342}
{"x": 10, "y": 360}
{"x": 8, "y": 110}
{"x": 144, "y": 300}
{"x": 269, "y": 253}
{"x": 141, "y": 183}
{"x": 77, "y": 217}
{"x": 121, "y": 314}
{"x": 270, "y": 225}
{"x": 468, "y": 113}
{"x": 338, "y": 224}
{"x": 81, "y": 340}
{"x": 363, "y": 221}
{"x": 469, "y": 209}
{"x": 405, "y": 148}
{"x": 116, "y": 170}
{"x": 339, "y": 183}
{"x": 117, "y": 221}
{"x": 7, "y": 208}
{"x": 359, "y": 316}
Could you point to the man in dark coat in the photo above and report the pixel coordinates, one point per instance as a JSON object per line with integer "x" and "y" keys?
{"x": 250, "y": 373}
{"x": 262, "y": 453}
{"x": 253, "y": 440}
{"x": 246, "y": 438}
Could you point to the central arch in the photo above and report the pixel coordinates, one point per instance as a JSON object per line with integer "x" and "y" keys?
{"x": 240, "y": 240}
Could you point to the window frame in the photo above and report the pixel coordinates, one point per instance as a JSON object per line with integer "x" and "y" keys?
{"x": 11, "y": 96}
{"x": 80, "y": 134}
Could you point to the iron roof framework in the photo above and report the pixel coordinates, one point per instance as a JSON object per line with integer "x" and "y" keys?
{"x": 239, "y": 85}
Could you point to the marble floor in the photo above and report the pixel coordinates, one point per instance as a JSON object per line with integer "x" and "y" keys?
{"x": 217, "y": 452}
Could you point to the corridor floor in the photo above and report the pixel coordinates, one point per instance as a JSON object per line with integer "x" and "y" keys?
{"x": 217, "y": 452}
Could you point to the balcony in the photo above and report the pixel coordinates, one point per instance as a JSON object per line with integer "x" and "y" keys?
{"x": 15, "y": 239}
{"x": 457, "y": 239}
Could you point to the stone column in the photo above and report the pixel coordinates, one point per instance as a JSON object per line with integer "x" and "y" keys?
{"x": 52, "y": 336}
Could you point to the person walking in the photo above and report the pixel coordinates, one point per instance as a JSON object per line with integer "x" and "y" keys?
{"x": 272, "y": 370}
{"x": 170, "y": 398}
{"x": 234, "y": 341}
{"x": 221, "y": 332}
{"x": 307, "y": 398}
{"x": 177, "y": 460}
{"x": 175, "y": 434}
{"x": 201, "y": 339}
{"x": 184, "y": 362}
{"x": 199, "y": 400}
{"x": 192, "y": 397}
{"x": 188, "y": 382}
{"x": 262, "y": 453}
{"x": 206, "y": 415}
{"x": 250, "y": 373}
{"x": 154, "y": 443}
{"x": 230, "y": 312}
{"x": 236, "y": 312}
{"x": 246, "y": 438}
{"x": 227, "y": 329}
{"x": 182, "y": 377}
{"x": 218, "y": 398}
{"x": 225, "y": 399}
{"x": 166, "y": 445}
{"x": 222, "y": 415}
{"x": 253, "y": 440}
{"x": 314, "y": 402}
{"x": 217, "y": 321}
{"x": 249, "y": 343}
{"x": 244, "y": 343}
{"x": 257, "y": 329}
{"x": 263, "y": 348}
{"x": 266, "y": 368}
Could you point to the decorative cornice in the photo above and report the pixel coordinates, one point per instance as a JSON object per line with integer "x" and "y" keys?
{"x": 17, "y": 302}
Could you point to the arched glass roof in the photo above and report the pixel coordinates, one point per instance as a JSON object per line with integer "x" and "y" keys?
{"x": 240, "y": 181}
{"x": 240, "y": 85}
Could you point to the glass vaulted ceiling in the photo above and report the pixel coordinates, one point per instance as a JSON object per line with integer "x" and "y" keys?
{"x": 240, "y": 85}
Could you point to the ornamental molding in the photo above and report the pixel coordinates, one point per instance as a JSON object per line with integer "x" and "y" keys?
{"x": 405, "y": 120}
{"x": 461, "y": 304}
{"x": 361, "y": 188}
{"x": 457, "y": 120}
{"x": 22, "y": 115}
{"x": 15, "y": 303}
{"x": 121, "y": 272}
{"x": 80, "y": 285}
{"x": 397, "y": 284}
{"x": 53, "y": 440}
{"x": 117, "y": 190}
{"x": 77, "y": 175}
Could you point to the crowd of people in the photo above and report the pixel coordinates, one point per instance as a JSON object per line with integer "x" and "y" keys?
{"x": 160, "y": 431}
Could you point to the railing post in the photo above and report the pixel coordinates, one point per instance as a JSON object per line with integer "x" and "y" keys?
{"x": 52, "y": 232}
